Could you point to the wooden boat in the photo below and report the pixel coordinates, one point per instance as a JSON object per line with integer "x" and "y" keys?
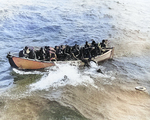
{"x": 107, "y": 55}
{"x": 33, "y": 64}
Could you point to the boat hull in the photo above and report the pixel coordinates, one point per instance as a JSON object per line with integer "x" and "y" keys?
{"x": 28, "y": 64}
{"x": 31, "y": 64}
{"x": 107, "y": 55}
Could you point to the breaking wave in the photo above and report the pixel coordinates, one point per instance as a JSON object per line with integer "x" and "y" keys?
{"x": 61, "y": 75}
{"x": 66, "y": 74}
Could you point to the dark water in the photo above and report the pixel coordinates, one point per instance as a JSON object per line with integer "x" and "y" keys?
{"x": 85, "y": 94}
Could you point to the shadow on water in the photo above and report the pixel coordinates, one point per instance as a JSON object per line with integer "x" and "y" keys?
{"x": 22, "y": 81}
{"x": 54, "y": 111}
{"x": 36, "y": 108}
{"x": 25, "y": 79}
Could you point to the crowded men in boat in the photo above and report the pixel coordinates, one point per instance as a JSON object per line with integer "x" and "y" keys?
{"x": 65, "y": 52}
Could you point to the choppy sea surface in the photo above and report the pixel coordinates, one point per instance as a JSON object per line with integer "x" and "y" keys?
{"x": 84, "y": 94}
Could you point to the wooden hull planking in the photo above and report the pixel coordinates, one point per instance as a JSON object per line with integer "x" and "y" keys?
{"x": 108, "y": 55}
{"x": 22, "y": 63}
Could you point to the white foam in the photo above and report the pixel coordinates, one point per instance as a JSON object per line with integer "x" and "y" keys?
{"x": 92, "y": 71}
{"x": 63, "y": 74}
{"x": 26, "y": 72}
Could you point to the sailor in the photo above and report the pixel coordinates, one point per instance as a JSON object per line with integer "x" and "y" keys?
{"x": 85, "y": 56}
{"x": 93, "y": 48}
{"x": 67, "y": 49}
{"x": 86, "y": 45}
{"x": 46, "y": 47}
{"x": 47, "y": 55}
{"x": 21, "y": 53}
{"x": 32, "y": 54}
{"x": 25, "y": 52}
{"x": 42, "y": 54}
{"x": 60, "y": 52}
{"x": 67, "y": 52}
{"x": 103, "y": 44}
{"x": 57, "y": 48}
{"x": 86, "y": 53}
{"x": 81, "y": 53}
{"x": 53, "y": 56}
{"x": 93, "y": 44}
{"x": 98, "y": 49}
{"x": 75, "y": 51}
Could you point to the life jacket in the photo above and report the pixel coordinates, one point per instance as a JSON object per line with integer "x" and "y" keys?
{"x": 53, "y": 56}
{"x": 26, "y": 52}
{"x": 52, "y": 49}
{"x": 53, "y": 59}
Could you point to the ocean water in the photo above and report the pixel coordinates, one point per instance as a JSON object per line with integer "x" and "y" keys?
{"x": 66, "y": 92}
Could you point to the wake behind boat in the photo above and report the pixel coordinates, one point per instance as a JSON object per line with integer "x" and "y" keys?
{"x": 32, "y": 58}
